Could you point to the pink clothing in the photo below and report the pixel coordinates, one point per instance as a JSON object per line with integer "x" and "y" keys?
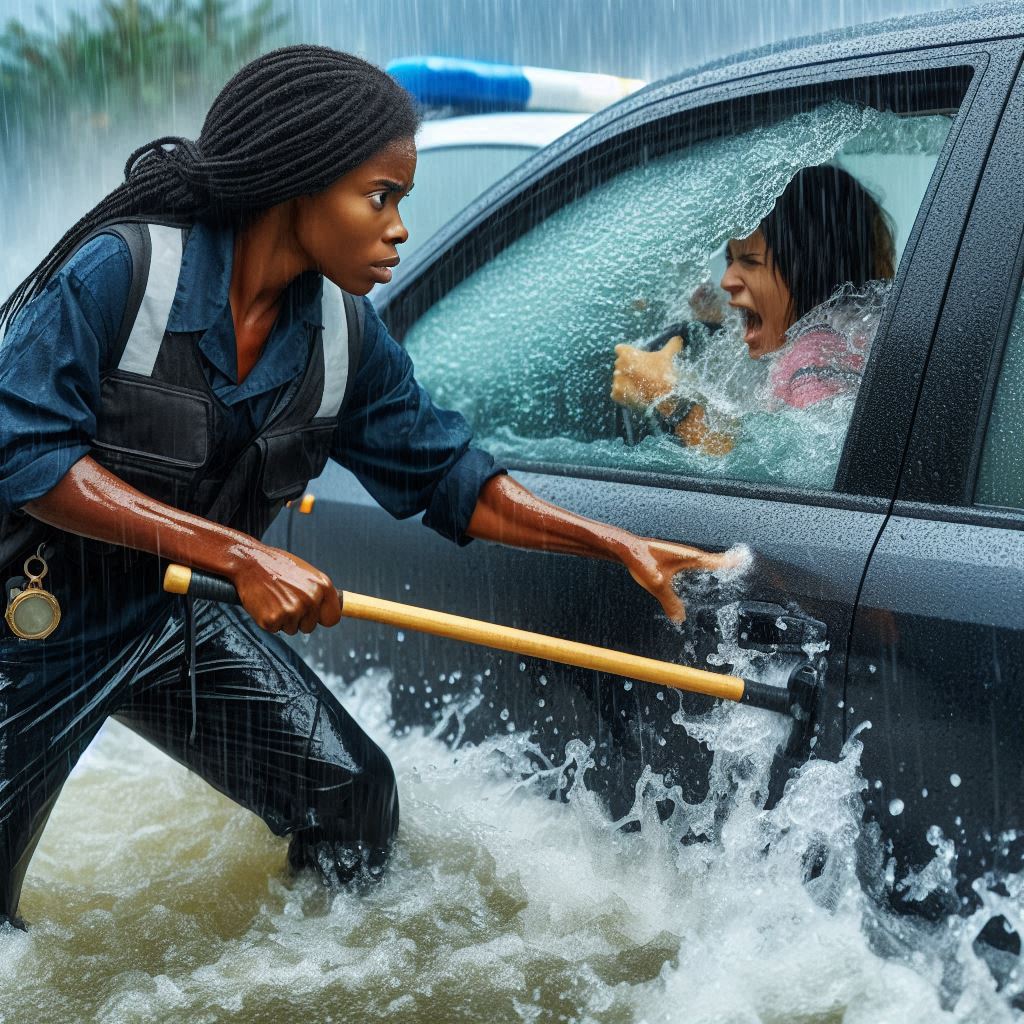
{"x": 817, "y": 365}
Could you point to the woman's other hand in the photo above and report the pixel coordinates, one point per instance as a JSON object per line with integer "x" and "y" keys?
{"x": 654, "y": 564}
{"x": 706, "y": 304}
{"x": 282, "y": 592}
{"x": 639, "y": 377}
{"x": 694, "y": 432}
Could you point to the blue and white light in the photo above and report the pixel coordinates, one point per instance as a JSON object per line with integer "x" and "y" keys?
{"x": 480, "y": 85}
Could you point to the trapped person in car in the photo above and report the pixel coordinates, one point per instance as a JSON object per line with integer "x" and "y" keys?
{"x": 825, "y": 231}
{"x": 172, "y": 425}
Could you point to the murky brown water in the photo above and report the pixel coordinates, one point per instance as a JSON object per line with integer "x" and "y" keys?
{"x": 153, "y": 898}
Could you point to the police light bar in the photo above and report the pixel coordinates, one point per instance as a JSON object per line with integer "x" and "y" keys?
{"x": 480, "y": 85}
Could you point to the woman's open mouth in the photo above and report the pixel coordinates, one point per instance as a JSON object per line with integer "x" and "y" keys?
{"x": 752, "y": 324}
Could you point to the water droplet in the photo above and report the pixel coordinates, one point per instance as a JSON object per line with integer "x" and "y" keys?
{"x": 955, "y": 780}
{"x": 543, "y": 680}
{"x": 522, "y": 666}
{"x": 504, "y": 714}
{"x": 661, "y": 695}
{"x": 400, "y": 636}
{"x": 896, "y": 807}
{"x": 872, "y": 669}
{"x": 924, "y": 793}
{"x": 540, "y": 703}
{"x": 627, "y": 686}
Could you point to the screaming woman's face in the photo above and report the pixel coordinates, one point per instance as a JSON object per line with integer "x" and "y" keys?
{"x": 757, "y": 290}
{"x": 350, "y": 231}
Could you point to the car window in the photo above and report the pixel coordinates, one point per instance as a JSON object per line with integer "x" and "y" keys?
{"x": 448, "y": 179}
{"x": 1001, "y": 472}
{"x": 525, "y": 346}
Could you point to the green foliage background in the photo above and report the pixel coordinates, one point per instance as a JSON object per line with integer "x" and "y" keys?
{"x": 77, "y": 98}
{"x": 134, "y": 61}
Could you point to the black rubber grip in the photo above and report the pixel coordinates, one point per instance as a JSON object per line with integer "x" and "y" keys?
{"x": 206, "y": 587}
{"x": 771, "y": 698}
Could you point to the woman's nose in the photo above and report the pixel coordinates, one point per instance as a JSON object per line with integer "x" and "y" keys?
{"x": 397, "y": 232}
{"x": 731, "y": 282}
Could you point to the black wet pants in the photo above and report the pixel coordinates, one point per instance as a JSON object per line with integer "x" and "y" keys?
{"x": 269, "y": 733}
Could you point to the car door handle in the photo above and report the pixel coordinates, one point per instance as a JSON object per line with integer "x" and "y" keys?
{"x": 767, "y": 627}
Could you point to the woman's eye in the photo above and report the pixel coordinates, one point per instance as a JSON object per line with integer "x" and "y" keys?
{"x": 378, "y": 199}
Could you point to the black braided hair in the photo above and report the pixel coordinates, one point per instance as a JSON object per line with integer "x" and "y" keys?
{"x": 289, "y": 123}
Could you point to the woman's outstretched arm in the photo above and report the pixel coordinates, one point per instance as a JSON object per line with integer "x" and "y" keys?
{"x": 508, "y": 513}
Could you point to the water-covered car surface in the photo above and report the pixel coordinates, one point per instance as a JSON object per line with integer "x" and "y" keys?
{"x": 892, "y": 515}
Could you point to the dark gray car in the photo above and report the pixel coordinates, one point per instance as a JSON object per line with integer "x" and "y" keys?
{"x": 895, "y": 530}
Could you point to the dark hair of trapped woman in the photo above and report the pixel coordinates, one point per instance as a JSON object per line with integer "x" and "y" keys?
{"x": 181, "y": 363}
{"x": 825, "y": 231}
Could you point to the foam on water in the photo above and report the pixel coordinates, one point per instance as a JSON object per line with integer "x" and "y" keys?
{"x": 152, "y": 897}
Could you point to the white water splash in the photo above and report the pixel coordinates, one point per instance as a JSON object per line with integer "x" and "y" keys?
{"x": 152, "y": 897}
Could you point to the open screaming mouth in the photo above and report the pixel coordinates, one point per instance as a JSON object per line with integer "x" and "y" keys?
{"x": 751, "y": 321}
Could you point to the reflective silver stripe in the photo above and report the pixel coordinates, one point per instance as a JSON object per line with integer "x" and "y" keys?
{"x": 335, "y": 344}
{"x": 147, "y": 335}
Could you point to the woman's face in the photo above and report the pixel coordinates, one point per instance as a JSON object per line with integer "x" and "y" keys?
{"x": 757, "y": 289}
{"x": 350, "y": 231}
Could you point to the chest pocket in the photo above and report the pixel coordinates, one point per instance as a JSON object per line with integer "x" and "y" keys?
{"x": 292, "y": 458}
{"x": 145, "y": 420}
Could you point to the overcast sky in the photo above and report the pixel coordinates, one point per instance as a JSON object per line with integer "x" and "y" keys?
{"x": 642, "y": 38}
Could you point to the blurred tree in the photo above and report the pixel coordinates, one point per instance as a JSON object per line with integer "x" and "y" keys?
{"x": 135, "y": 62}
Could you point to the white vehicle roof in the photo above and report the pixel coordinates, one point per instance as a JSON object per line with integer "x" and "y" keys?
{"x": 534, "y": 129}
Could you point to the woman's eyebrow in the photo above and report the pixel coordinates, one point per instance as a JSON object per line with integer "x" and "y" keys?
{"x": 391, "y": 185}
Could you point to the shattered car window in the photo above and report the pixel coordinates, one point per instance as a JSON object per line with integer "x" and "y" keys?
{"x": 525, "y": 346}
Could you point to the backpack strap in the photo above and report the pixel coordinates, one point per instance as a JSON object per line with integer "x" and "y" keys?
{"x": 355, "y": 314}
{"x": 343, "y": 317}
{"x": 140, "y": 248}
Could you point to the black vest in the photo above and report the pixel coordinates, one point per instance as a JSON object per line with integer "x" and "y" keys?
{"x": 161, "y": 429}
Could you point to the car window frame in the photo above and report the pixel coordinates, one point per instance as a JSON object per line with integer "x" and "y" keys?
{"x": 506, "y": 213}
{"x": 944, "y": 456}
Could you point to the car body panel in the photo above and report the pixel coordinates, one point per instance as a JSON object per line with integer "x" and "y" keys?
{"x": 809, "y": 560}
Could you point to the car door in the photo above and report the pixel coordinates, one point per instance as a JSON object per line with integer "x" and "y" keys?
{"x": 937, "y": 651}
{"x": 513, "y": 321}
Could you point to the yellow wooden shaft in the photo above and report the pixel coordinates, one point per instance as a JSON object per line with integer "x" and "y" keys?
{"x": 537, "y": 645}
{"x": 178, "y": 579}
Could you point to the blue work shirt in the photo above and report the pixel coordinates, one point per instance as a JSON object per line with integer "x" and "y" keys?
{"x": 409, "y": 454}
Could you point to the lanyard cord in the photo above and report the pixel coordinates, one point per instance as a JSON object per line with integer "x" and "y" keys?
{"x": 188, "y": 666}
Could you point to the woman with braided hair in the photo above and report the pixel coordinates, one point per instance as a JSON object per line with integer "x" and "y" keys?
{"x": 182, "y": 362}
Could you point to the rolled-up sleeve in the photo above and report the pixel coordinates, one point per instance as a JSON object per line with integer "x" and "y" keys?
{"x": 409, "y": 454}
{"x": 50, "y": 362}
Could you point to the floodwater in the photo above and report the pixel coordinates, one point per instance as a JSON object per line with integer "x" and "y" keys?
{"x": 152, "y": 897}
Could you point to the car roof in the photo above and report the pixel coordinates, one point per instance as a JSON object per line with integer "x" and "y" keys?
{"x": 533, "y": 129}
{"x": 898, "y": 34}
